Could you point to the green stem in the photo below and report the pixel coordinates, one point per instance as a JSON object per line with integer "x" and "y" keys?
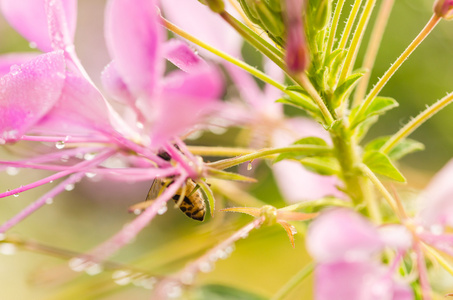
{"x": 348, "y": 27}
{"x": 227, "y": 163}
{"x": 252, "y": 37}
{"x": 294, "y": 281}
{"x": 381, "y": 188}
{"x": 308, "y": 86}
{"x": 356, "y": 40}
{"x": 372, "y": 49}
{"x": 333, "y": 30}
{"x": 399, "y": 61}
{"x": 416, "y": 122}
{"x": 255, "y": 72}
{"x": 219, "y": 151}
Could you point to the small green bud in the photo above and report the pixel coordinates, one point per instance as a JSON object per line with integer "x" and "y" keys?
{"x": 269, "y": 213}
{"x": 444, "y": 9}
{"x": 319, "y": 14}
{"x": 216, "y": 6}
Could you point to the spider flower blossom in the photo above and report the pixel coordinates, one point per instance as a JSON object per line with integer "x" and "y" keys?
{"x": 345, "y": 247}
{"x": 50, "y": 98}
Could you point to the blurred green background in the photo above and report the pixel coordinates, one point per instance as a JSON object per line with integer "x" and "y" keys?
{"x": 262, "y": 263}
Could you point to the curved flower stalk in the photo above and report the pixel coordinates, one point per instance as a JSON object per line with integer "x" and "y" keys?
{"x": 50, "y": 98}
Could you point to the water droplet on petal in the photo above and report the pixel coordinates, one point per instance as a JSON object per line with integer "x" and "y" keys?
{"x": 69, "y": 187}
{"x": 89, "y": 156}
{"x": 16, "y": 195}
{"x": 148, "y": 283}
{"x": 139, "y": 125}
{"x": 12, "y": 171}
{"x": 77, "y": 264}
{"x": 7, "y": 248}
{"x": 14, "y": 69}
{"x": 90, "y": 175}
{"x": 93, "y": 269}
{"x": 49, "y": 200}
{"x": 205, "y": 267}
{"x": 174, "y": 291}
{"x": 59, "y": 145}
{"x": 162, "y": 209}
{"x": 249, "y": 166}
{"x": 33, "y": 45}
{"x": 64, "y": 158}
{"x": 137, "y": 211}
{"x": 122, "y": 277}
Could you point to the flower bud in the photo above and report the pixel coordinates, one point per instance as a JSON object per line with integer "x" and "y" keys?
{"x": 318, "y": 14}
{"x": 444, "y": 9}
{"x": 216, "y": 6}
{"x": 297, "y": 56}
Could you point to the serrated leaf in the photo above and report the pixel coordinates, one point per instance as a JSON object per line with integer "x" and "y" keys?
{"x": 228, "y": 175}
{"x": 223, "y": 292}
{"x": 321, "y": 165}
{"x": 377, "y": 107}
{"x": 297, "y": 155}
{"x": 345, "y": 88}
{"x": 381, "y": 164}
{"x": 403, "y": 148}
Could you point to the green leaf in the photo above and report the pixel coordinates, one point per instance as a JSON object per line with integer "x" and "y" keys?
{"x": 345, "y": 88}
{"x": 228, "y": 175}
{"x": 381, "y": 164}
{"x": 362, "y": 128}
{"x": 300, "y": 99}
{"x": 321, "y": 165}
{"x": 403, "y": 148}
{"x": 297, "y": 155}
{"x": 223, "y": 292}
{"x": 377, "y": 107}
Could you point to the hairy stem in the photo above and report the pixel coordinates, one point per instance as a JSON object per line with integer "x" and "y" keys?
{"x": 372, "y": 49}
{"x": 416, "y": 122}
{"x": 334, "y": 26}
{"x": 399, "y": 61}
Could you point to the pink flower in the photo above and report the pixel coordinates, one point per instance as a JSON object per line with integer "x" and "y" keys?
{"x": 50, "y": 98}
{"x": 346, "y": 248}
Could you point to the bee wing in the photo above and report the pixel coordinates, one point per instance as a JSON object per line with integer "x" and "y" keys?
{"x": 155, "y": 188}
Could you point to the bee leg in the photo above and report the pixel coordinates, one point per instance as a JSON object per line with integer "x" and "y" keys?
{"x": 181, "y": 195}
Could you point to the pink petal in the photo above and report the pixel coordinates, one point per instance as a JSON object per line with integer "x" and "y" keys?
{"x": 114, "y": 84}
{"x": 61, "y": 37}
{"x": 81, "y": 108}
{"x": 29, "y": 18}
{"x": 181, "y": 55}
{"x": 342, "y": 234}
{"x": 134, "y": 36}
{"x": 436, "y": 201}
{"x": 396, "y": 236}
{"x": 186, "y": 98}
{"x": 28, "y": 92}
{"x": 357, "y": 281}
{"x": 8, "y": 60}
{"x": 209, "y": 27}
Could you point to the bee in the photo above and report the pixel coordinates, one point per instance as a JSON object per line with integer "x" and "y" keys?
{"x": 192, "y": 205}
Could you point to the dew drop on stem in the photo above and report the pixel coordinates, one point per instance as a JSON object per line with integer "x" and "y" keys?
{"x": 59, "y": 145}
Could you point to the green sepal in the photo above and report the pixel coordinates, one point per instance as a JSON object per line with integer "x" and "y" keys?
{"x": 381, "y": 164}
{"x": 274, "y": 5}
{"x": 272, "y": 22}
{"x": 344, "y": 88}
{"x": 378, "y": 106}
{"x": 298, "y": 155}
{"x": 322, "y": 165}
{"x": 216, "y": 173}
{"x": 223, "y": 292}
{"x": 318, "y": 14}
{"x": 401, "y": 149}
